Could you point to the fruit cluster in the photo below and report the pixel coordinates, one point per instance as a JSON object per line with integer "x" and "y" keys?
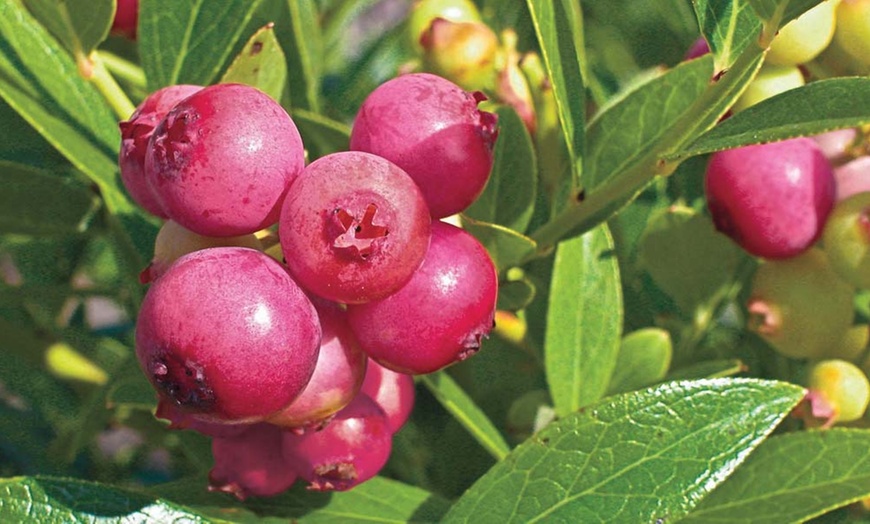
{"x": 296, "y": 357}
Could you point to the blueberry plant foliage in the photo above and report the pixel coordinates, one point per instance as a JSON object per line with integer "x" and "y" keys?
{"x": 623, "y": 381}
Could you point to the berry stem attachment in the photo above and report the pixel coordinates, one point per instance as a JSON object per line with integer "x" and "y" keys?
{"x": 109, "y": 88}
{"x": 123, "y": 69}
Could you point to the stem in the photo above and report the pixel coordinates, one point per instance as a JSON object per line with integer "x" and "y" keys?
{"x": 109, "y": 88}
{"x": 124, "y": 69}
{"x": 662, "y": 158}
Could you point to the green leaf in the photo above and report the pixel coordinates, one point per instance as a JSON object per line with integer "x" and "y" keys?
{"x": 79, "y": 25}
{"x": 376, "y": 500}
{"x": 509, "y": 196}
{"x": 50, "y": 499}
{"x": 686, "y": 257}
{"x": 320, "y": 134}
{"x": 22, "y": 144}
{"x": 584, "y": 320}
{"x": 305, "y": 56}
{"x": 792, "y": 478}
{"x": 729, "y": 26}
{"x": 464, "y": 410}
{"x": 781, "y": 12}
{"x": 506, "y": 247}
{"x": 39, "y": 203}
{"x": 260, "y": 64}
{"x": 708, "y": 369}
{"x": 559, "y": 27}
{"x": 189, "y": 41}
{"x": 515, "y": 294}
{"x": 644, "y": 359}
{"x": 808, "y": 110}
{"x": 630, "y": 129}
{"x": 646, "y": 456}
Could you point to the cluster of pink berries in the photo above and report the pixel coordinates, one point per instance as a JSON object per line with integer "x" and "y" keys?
{"x": 297, "y": 361}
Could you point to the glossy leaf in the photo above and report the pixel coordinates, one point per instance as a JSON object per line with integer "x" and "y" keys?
{"x": 584, "y": 320}
{"x": 644, "y": 359}
{"x": 646, "y": 456}
{"x": 304, "y": 57}
{"x": 79, "y": 25}
{"x": 188, "y": 41}
{"x": 811, "y": 109}
{"x": 466, "y": 412}
{"x": 260, "y": 64}
{"x": 506, "y": 247}
{"x": 48, "y": 499}
{"x": 39, "y": 203}
{"x": 376, "y": 500}
{"x": 729, "y": 26}
{"x": 792, "y": 478}
{"x": 509, "y": 196}
{"x": 559, "y": 27}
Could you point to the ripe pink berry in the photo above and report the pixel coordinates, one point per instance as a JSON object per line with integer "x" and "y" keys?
{"x": 852, "y": 178}
{"x": 699, "y": 47}
{"x": 440, "y": 315}
{"x": 135, "y": 133}
{"x": 126, "y": 18}
{"x": 227, "y": 335}
{"x": 222, "y": 160}
{"x": 433, "y": 130}
{"x": 179, "y": 419}
{"x": 351, "y": 449}
{"x": 251, "y": 464}
{"x": 354, "y": 227}
{"x": 772, "y": 199}
{"x": 341, "y": 366}
{"x": 393, "y": 392}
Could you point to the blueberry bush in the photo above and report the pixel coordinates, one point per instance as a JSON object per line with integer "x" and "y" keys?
{"x": 434, "y": 261}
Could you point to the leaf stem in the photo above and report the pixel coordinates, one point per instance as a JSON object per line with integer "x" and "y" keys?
{"x": 109, "y": 88}
{"x": 123, "y": 69}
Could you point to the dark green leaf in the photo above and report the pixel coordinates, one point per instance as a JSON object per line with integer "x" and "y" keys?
{"x": 811, "y": 109}
{"x": 39, "y": 203}
{"x": 729, "y": 26}
{"x": 189, "y": 41}
{"x": 507, "y": 247}
{"x": 79, "y": 25}
{"x": 686, "y": 257}
{"x": 320, "y": 134}
{"x": 792, "y": 478}
{"x": 644, "y": 359}
{"x": 708, "y": 369}
{"x": 20, "y": 143}
{"x": 49, "y": 499}
{"x": 509, "y": 196}
{"x": 377, "y": 500}
{"x": 781, "y": 12}
{"x": 261, "y": 64}
{"x": 304, "y": 58}
{"x": 584, "y": 320}
{"x": 646, "y": 456}
{"x": 559, "y": 27}
{"x": 463, "y": 409}
{"x": 514, "y": 295}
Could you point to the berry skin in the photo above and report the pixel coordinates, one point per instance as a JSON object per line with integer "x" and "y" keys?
{"x": 772, "y": 199}
{"x": 853, "y": 177}
{"x": 424, "y": 12}
{"x": 222, "y": 160}
{"x": 847, "y": 239}
{"x": 853, "y": 29}
{"x": 805, "y": 37}
{"x": 338, "y": 375}
{"x": 440, "y": 316}
{"x": 699, "y": 48}
{"x": 178, "y": 419}
{"x": 251, "y": 464}
{"x": 771, "y": 80}
{"x": 800, "y": 306}
{"x": 393, "y": 392}
{"x": 354, "y": 227}
{"x": 173, "y": 242}
{"x": 126, "y": 18}
{"x": 432, "y": 129}
{"x": 351, "y": 449}
{"x": 464, "y": 52}
{"x": 836, "y": 144}
{"x": 135, "y": 134}
{"x": 227, "y": 335}
{"x": 843, "y": 386}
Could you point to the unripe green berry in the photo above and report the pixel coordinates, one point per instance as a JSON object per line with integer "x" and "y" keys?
{"x": 805, "y": 37}
{"x": 462, "y": 52}
{"x": 843, "y": 385}
{"x": 847, "y": 239}
{"x": 771, "y": 80}
{"x": 800, "y": 306}
{"x": 853, "y": 29}
{"x": 425, "y": 11}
